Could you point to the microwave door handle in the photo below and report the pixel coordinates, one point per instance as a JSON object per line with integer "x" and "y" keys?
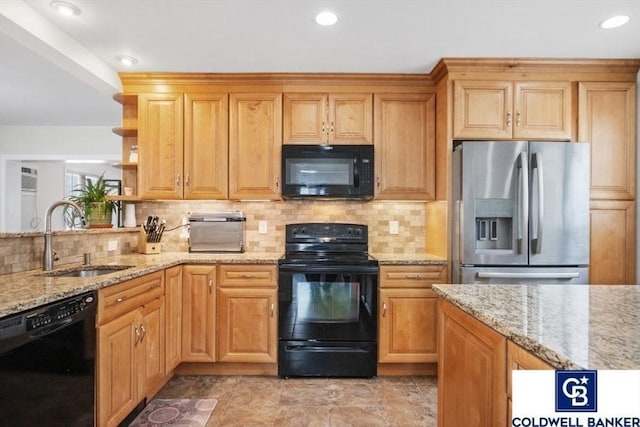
{"x": 536, "y": 165}
{"x": 356, "y": 171}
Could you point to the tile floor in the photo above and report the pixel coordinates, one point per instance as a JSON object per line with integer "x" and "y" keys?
{"x": 271, "y": 401}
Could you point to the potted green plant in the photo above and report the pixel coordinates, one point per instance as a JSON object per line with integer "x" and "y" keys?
{"x": 92, "y": 198}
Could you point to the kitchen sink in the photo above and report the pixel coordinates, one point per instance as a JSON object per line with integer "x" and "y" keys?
{"x": 86, "y": 271}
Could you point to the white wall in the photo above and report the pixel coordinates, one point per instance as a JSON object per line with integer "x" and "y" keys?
{"x": 46, "y": 148}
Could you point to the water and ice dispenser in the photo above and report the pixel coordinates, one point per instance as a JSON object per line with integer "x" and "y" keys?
{"x": 494, "y": 223}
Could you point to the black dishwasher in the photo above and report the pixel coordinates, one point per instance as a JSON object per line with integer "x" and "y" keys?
{"x": 47, "y": 364}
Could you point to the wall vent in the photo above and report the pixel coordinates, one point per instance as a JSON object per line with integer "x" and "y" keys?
{"x": 29, "y": 180}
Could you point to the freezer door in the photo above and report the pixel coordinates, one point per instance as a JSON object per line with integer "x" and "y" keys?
{"x": 519, "y": 275}
{"x": 492, "y": 203}
{"x": 559, "y": 217}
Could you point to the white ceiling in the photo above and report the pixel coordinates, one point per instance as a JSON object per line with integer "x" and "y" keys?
{"x": 62, "y": 71}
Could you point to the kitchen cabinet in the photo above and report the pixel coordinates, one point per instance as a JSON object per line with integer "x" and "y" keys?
{"x": 173, "y": 312}
{"x": 408, "y": 313}
{"x": 607, "y": 120}
{"x": 199, "y": 313}
{"x": 520, "y": 359}
{"x": 493, "y": 109}
{"x": 404, "y": 140}
{"x": 472, "y": 373}
{"x": 130, "y": 335}
{"x": 255, "y": 141}
{"x": 612, "y": 257}
{"x": 129, "y": 133}
{"x": 320, "y": 118}
{"x": 247, "y": 313}
{"x": 183, "y": 145}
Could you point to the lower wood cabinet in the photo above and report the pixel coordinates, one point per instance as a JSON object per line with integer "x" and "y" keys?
{"x": 130, "y": 346}
{"x": 247, "y": 313}
{"x": 471, "y": 371}
{"x": 408, "y": 313}
{"x": 199, "y": 313}
{"x": 173, "y": 311}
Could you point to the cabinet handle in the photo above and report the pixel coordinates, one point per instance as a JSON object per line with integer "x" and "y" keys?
{"x": 378, "y": 181}
{"x": 277, "y": 182}
{"x": 248, "y": 276}
{"x": 157, "y": 285}
{"x": 186, "y": 180}
{"x": 413, "y": 277}
{"x": 178, "y": 180}
{"x": 137, "y": 336}
{"x": 517, "y": 119}
{"x": 143, "y": 333}
{"x": 384, "y": 309}
{"x": 323, "y": 128}
{"x": 210, "y": 285}
{"x": 272, "y": 309}
{"x": 331, "y": 128}
{"x": 508, "y": 119}
{"x": 120, "y": 299}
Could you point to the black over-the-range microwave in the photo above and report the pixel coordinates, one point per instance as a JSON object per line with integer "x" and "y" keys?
{"x": 327, "y": 171}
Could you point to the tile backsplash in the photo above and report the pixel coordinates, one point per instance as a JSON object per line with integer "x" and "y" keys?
{"x": 410, "y": 217}
{"x": 20, "y": 252}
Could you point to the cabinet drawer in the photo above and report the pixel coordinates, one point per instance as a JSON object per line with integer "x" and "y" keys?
{"x": 412, "y": 276}
{"x": 245, "y": 275}
{"x": 126, "y": 296}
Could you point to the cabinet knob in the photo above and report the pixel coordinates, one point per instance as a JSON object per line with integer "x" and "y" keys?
{"x": 178, "y": 180}
{"x": 210, "y": 285}
{"x": 143, "y": 332}
{"x": 272, "y": 309}
{"x": 384, "y": 309}
{"x": 137, "y": 331}
{"x": 517, "y": 119}
{"x": 186, "y": 180}
{"x": 277, "y": 182}
{"x": 508, "y": 119}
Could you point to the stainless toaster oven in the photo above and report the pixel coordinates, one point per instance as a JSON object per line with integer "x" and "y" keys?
{"x": 216, "y": 232}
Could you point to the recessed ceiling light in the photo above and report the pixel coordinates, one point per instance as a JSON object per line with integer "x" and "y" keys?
{"x": 65, "y": 8}
{"x": 127, "y": 60}
{"x": 614, "y": 22}
{"x": 326, "y": 18}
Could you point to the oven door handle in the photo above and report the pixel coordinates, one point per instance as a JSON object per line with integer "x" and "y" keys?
{"x": 353, "y": 269}
{"x": 321, "y": 349}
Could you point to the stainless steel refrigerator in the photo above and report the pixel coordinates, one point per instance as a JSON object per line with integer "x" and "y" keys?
{"x": 521, "y": 212}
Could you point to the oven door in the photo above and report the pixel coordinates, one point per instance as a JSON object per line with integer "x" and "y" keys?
{"x": 328, "y": 321}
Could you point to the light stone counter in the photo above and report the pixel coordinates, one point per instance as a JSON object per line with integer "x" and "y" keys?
{"x": 28, "y": 289}
{"x": 568, "y": 326}
{"x": 413, "y": 259}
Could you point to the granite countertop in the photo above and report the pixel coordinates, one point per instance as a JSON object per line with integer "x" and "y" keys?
{"x": 568, "y": 326}
{"x": 29, "y": 289}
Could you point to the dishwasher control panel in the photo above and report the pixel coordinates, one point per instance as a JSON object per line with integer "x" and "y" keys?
{"x": 59, "y": 311}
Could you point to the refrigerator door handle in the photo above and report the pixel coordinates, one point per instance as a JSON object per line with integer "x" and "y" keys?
{"x": 536, "y": 165}
{"x": 522, "y": 202}
{"x": 498, "y": 275}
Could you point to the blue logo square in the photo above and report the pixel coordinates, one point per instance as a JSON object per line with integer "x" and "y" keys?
{"x": 576, "y": 391}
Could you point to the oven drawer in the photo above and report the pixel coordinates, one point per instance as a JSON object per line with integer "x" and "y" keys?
{"x": 327, "y": 359}
{"x": 412, "y": 276}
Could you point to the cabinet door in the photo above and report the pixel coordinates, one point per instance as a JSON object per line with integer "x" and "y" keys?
{"x": 305, "y": 118}
{"x": 206, "y": 146}
{"x": 350, "y": 118}
{"x": 255, "y": 142}
{"x": 607, "y": 120}
{"x": 543, "y": 111}
{"x": 173, "y": 316}
{"x": 116, "y": 379}
{"x": 471, "y": 371}
{"x": 399, "y": 343}
{"x": 405, "y": 146}
{"x": 198, "y": 313}
{"x": 247, "y": 322}
{"x": 160, "y": 145}
{"x": 150, "y": 361}
{"x": 482, "y": 109}
{"x": 613, "y": 243}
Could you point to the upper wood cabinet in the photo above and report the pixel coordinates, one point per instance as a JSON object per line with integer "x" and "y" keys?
{"x": 512, "y": 110}
{"x": 255, "y": 142}
{"x": 160, "y": 145}
{"x": 183, "y": 143}
{"x": 404, "y": 140}
{"x": 317, "y": 118}
{"x": 607, "y": 120}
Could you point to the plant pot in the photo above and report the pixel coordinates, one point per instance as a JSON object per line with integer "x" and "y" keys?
{"x": 98, "y": 215}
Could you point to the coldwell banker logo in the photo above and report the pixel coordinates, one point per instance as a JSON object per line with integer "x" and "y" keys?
{"x": 576, "y": 391}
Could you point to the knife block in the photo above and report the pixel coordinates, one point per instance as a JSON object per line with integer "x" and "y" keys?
{"x": 145, "y": 247}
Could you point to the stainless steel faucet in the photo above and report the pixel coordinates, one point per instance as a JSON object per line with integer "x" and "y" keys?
{"x": 47, "y": 256}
